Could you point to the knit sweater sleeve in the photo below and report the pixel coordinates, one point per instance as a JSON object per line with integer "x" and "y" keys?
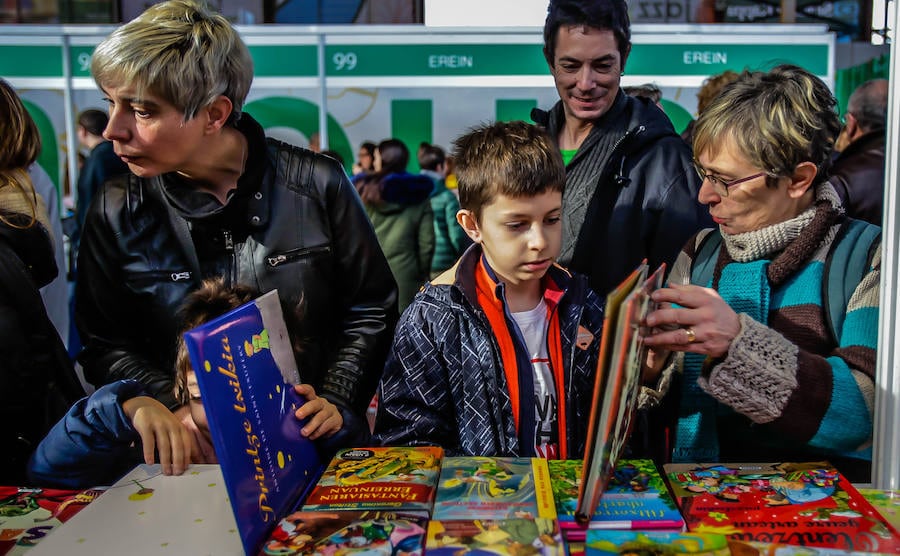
{"x": 824, "y": 400}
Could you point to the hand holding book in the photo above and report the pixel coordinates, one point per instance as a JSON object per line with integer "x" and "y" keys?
{"x": 703, "y": 322}
{"x": 324, "y": 417}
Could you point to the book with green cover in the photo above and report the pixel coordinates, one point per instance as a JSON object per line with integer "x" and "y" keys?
{"x": 608, "y": 543}
{"x": 487, "y": 537}
{"x": 476, "y": 487}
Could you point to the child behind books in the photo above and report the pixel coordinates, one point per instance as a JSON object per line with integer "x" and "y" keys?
{"x": 497, "y": 355}
{"x": 109, "y": 432}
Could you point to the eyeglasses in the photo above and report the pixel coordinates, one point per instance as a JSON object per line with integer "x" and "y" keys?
{"x": 719, "y": 185}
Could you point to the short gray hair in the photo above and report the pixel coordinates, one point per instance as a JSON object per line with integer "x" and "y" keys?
{"x": 777, "y": 120}
{"x": 180, "y": 50}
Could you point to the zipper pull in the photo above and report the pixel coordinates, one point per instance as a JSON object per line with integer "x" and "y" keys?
{"x": 229, "y": 242}
{"x": 275, "y": 261}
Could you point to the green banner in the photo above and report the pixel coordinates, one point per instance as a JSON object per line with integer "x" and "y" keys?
{"x": 429, "y": 60}
{"x": 31, "y": 61}
{"x": 293, "y": 60}
{"x": 442, "y": 60}
{"x": 709, "y": 59}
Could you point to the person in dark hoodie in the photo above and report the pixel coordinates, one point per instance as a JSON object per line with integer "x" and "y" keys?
{"x": 398, "y": 206}
{"x": 631, "y": 190}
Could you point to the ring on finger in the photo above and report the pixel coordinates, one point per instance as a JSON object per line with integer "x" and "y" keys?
{"x": 691, "y": 335}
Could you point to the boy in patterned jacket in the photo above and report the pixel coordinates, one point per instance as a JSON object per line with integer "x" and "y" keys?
{"x": 497, "y": 355}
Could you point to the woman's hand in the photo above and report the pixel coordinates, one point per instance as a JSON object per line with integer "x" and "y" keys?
{"x": 324, "y": 417}
{"x": 703, "y": 323}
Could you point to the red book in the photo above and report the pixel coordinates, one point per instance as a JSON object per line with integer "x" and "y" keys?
{"x": 29, "y": 514}
{"x": 808, "y": 504}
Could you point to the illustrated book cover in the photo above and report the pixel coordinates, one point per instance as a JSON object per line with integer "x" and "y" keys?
{"x": 617, "y": 383}
{"x": 503, "y": 537}
{"x": 245, "y": 367}
{"x": 27, "y": 515}
{"x": 887, "y": 502}
{"x": 381, "y": 478}
{"x": 148, "y": 513}
{"x": 806, "y": 504}
{"x": 636, "y": 498}
{"x": 609, "y": 542}
{"x": 348, "y": 533}
{"x": 480, "y": 487}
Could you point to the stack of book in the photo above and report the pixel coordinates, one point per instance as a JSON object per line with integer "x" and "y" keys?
{"x": 368, "y": 500}
{"x": 413, "y": 500}
{"x": 406, "y": 501}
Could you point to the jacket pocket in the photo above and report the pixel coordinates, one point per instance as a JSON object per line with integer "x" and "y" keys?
{"x": 286, "y": 257}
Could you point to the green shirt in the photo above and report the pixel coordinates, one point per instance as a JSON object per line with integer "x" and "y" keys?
{"x": 568, "y": 155}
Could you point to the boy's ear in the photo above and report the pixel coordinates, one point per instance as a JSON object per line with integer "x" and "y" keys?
{"x": 469, "y": 223}
{"x": 218, "y": 112}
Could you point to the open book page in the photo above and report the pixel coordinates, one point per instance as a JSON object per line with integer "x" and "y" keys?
{"x": 616, "y": 398}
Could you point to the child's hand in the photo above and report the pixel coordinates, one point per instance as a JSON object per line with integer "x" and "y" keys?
{"x": 324, "y": 417}
{"x": 161, "y": 431}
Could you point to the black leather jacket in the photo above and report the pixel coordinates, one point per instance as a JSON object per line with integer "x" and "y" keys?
{"x": 294, "y": 223}
{"x": 857, "y": 175}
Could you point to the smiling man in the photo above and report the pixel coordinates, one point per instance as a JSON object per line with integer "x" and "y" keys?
{"x": 631, "y": 192}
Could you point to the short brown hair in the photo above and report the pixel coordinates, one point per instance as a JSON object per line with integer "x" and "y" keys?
{"x": 515, "y": 159}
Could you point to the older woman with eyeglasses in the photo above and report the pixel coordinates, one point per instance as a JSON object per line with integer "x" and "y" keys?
{"x": 768, "y": 363}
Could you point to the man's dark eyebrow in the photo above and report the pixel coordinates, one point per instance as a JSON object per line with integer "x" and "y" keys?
{"x": 607, "y": 58}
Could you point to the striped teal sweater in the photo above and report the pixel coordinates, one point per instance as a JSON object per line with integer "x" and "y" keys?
{"x": 787, "y": 389}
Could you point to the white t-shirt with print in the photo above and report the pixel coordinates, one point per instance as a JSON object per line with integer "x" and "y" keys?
{"x": 533, "y": 325}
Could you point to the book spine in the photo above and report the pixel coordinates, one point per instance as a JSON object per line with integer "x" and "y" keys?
{"x": 543, "y": 489}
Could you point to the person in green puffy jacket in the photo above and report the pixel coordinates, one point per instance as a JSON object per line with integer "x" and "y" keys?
{"x": 397, "y": 204}
{"x": 450, "y": 240}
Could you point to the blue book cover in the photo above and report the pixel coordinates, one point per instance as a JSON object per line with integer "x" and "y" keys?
{"x": 246, "y": 370}
{"x": 636, "y": 498}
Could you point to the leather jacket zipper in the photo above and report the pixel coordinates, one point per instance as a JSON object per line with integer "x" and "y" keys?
{"x": 155, "y": 276}
{"x": 229, "y": 248}
{"x": 294, "y": 254}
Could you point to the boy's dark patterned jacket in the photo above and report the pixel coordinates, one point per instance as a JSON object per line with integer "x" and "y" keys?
{"x": 444, "y": 382}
